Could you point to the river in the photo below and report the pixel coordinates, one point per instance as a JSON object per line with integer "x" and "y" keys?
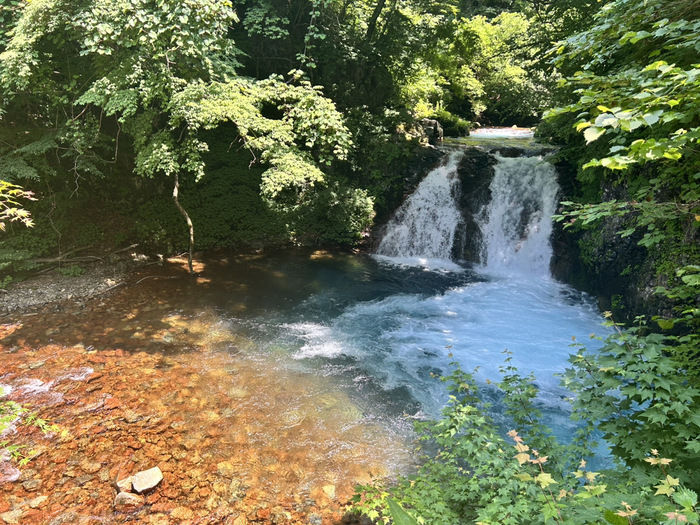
{"x": 303, "y": 370}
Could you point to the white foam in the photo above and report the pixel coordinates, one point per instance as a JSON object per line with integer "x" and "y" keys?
{"x": 517, "y": 224}
{"x": 319, "y": 341}
{"x": 34, "y": 386}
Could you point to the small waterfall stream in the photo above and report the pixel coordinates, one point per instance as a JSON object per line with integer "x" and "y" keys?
{"x": 516, "y": 224}
{"x": 423, "y": 229}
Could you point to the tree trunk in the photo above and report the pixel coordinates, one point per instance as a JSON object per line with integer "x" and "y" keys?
{"x": 176, "y": 191}
{"x": 372, "y": 26}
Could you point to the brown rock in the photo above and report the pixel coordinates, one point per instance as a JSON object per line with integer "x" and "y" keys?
{"x": 93, "y": 376}
{"x": 32, "y": 516}
{"x": 133, "y": 444}
{"x": 225, "y": 469}
{"x": 90, "y": 467}
{"x": 163, "y": 506}
{"x": 236, "y": 520}
{"x": 12, "y": 517}
{"x": 112, "y": 402}
{"x": 182, "y": 513}
{"x": 32, "y": 485}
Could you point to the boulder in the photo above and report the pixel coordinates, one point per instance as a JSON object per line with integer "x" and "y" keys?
{"x": 432, "y": 130}
{"x": 475, "y": 172}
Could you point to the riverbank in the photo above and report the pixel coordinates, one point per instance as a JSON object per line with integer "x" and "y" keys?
{"x": 52, "y": 287}
{"x": 135, "y": 381}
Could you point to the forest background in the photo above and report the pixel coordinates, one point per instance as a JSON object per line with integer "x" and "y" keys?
{"x": 271, "y": 122}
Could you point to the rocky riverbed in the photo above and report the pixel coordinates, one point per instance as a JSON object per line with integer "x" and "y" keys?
{"x": 136, "y": 381}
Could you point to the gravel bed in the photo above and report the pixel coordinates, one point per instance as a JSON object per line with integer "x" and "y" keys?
{"x": 54, "y": 287}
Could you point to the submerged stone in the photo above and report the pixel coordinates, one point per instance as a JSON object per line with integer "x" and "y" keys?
{"x": 127, "y": 499}
{"x": 126, "y": 484}
{"x": 146, "y": 479}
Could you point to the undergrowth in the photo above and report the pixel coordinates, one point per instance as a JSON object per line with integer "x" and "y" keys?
{"x": 631, "y": 395}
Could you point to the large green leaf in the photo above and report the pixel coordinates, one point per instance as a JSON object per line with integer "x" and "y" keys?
{"x": 400, "y": 516}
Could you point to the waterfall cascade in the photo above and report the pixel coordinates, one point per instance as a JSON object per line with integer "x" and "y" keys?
{"x": 384, "y": 331}
{"x": 423, "y": 228}
{"x": 515, "y": 225}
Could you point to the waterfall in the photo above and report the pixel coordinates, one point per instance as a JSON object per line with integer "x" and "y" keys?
{"x": 423, "y": 229}
{"x": 517, "y": 224}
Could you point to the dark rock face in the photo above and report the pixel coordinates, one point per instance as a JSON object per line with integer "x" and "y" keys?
{"x": 617, "y": 271}
{"x": 475, "y": 171}
{"x": 424, "y": 160}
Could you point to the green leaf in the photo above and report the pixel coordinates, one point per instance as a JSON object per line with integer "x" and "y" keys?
{"x": 593, "y": 133}
{"x": 399, "y": 515}
{"x": 665, "y": 324}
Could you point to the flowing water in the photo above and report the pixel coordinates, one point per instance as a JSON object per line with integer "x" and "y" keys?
{"x": 423, "y": 229}
{"x": 383, "y": 327}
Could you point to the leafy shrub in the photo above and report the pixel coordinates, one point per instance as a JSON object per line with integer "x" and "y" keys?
{"x": 631, "y": 393}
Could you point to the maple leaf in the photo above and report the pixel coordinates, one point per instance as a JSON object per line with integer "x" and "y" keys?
{"x": 679, "y": 518}
{"x": 521, "y": 448}
{"x": 545, "y": 480}
{"x": 666, "y": 486}
{"x": 522, "y": 457}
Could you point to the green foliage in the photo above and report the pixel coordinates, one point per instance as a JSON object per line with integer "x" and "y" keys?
{"x": 72, "y": 270}
{"x": 476, "y": 70}
{"x": 8, "y": 15}
{"x": 295, "y": 129}
{"x": 144, "y": 81}
{"x": 475, "y": 474}
{"x": 635, "y": 394}
{"x": 639, "y": 95}
{"x": 336, "y": 213}
{"x": 399, "y": 515}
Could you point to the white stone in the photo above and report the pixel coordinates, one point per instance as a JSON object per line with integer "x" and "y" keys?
{"x": 146, "y": 479}
{"x": 37, "y": 502}
{"x": 125, "y": 485}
